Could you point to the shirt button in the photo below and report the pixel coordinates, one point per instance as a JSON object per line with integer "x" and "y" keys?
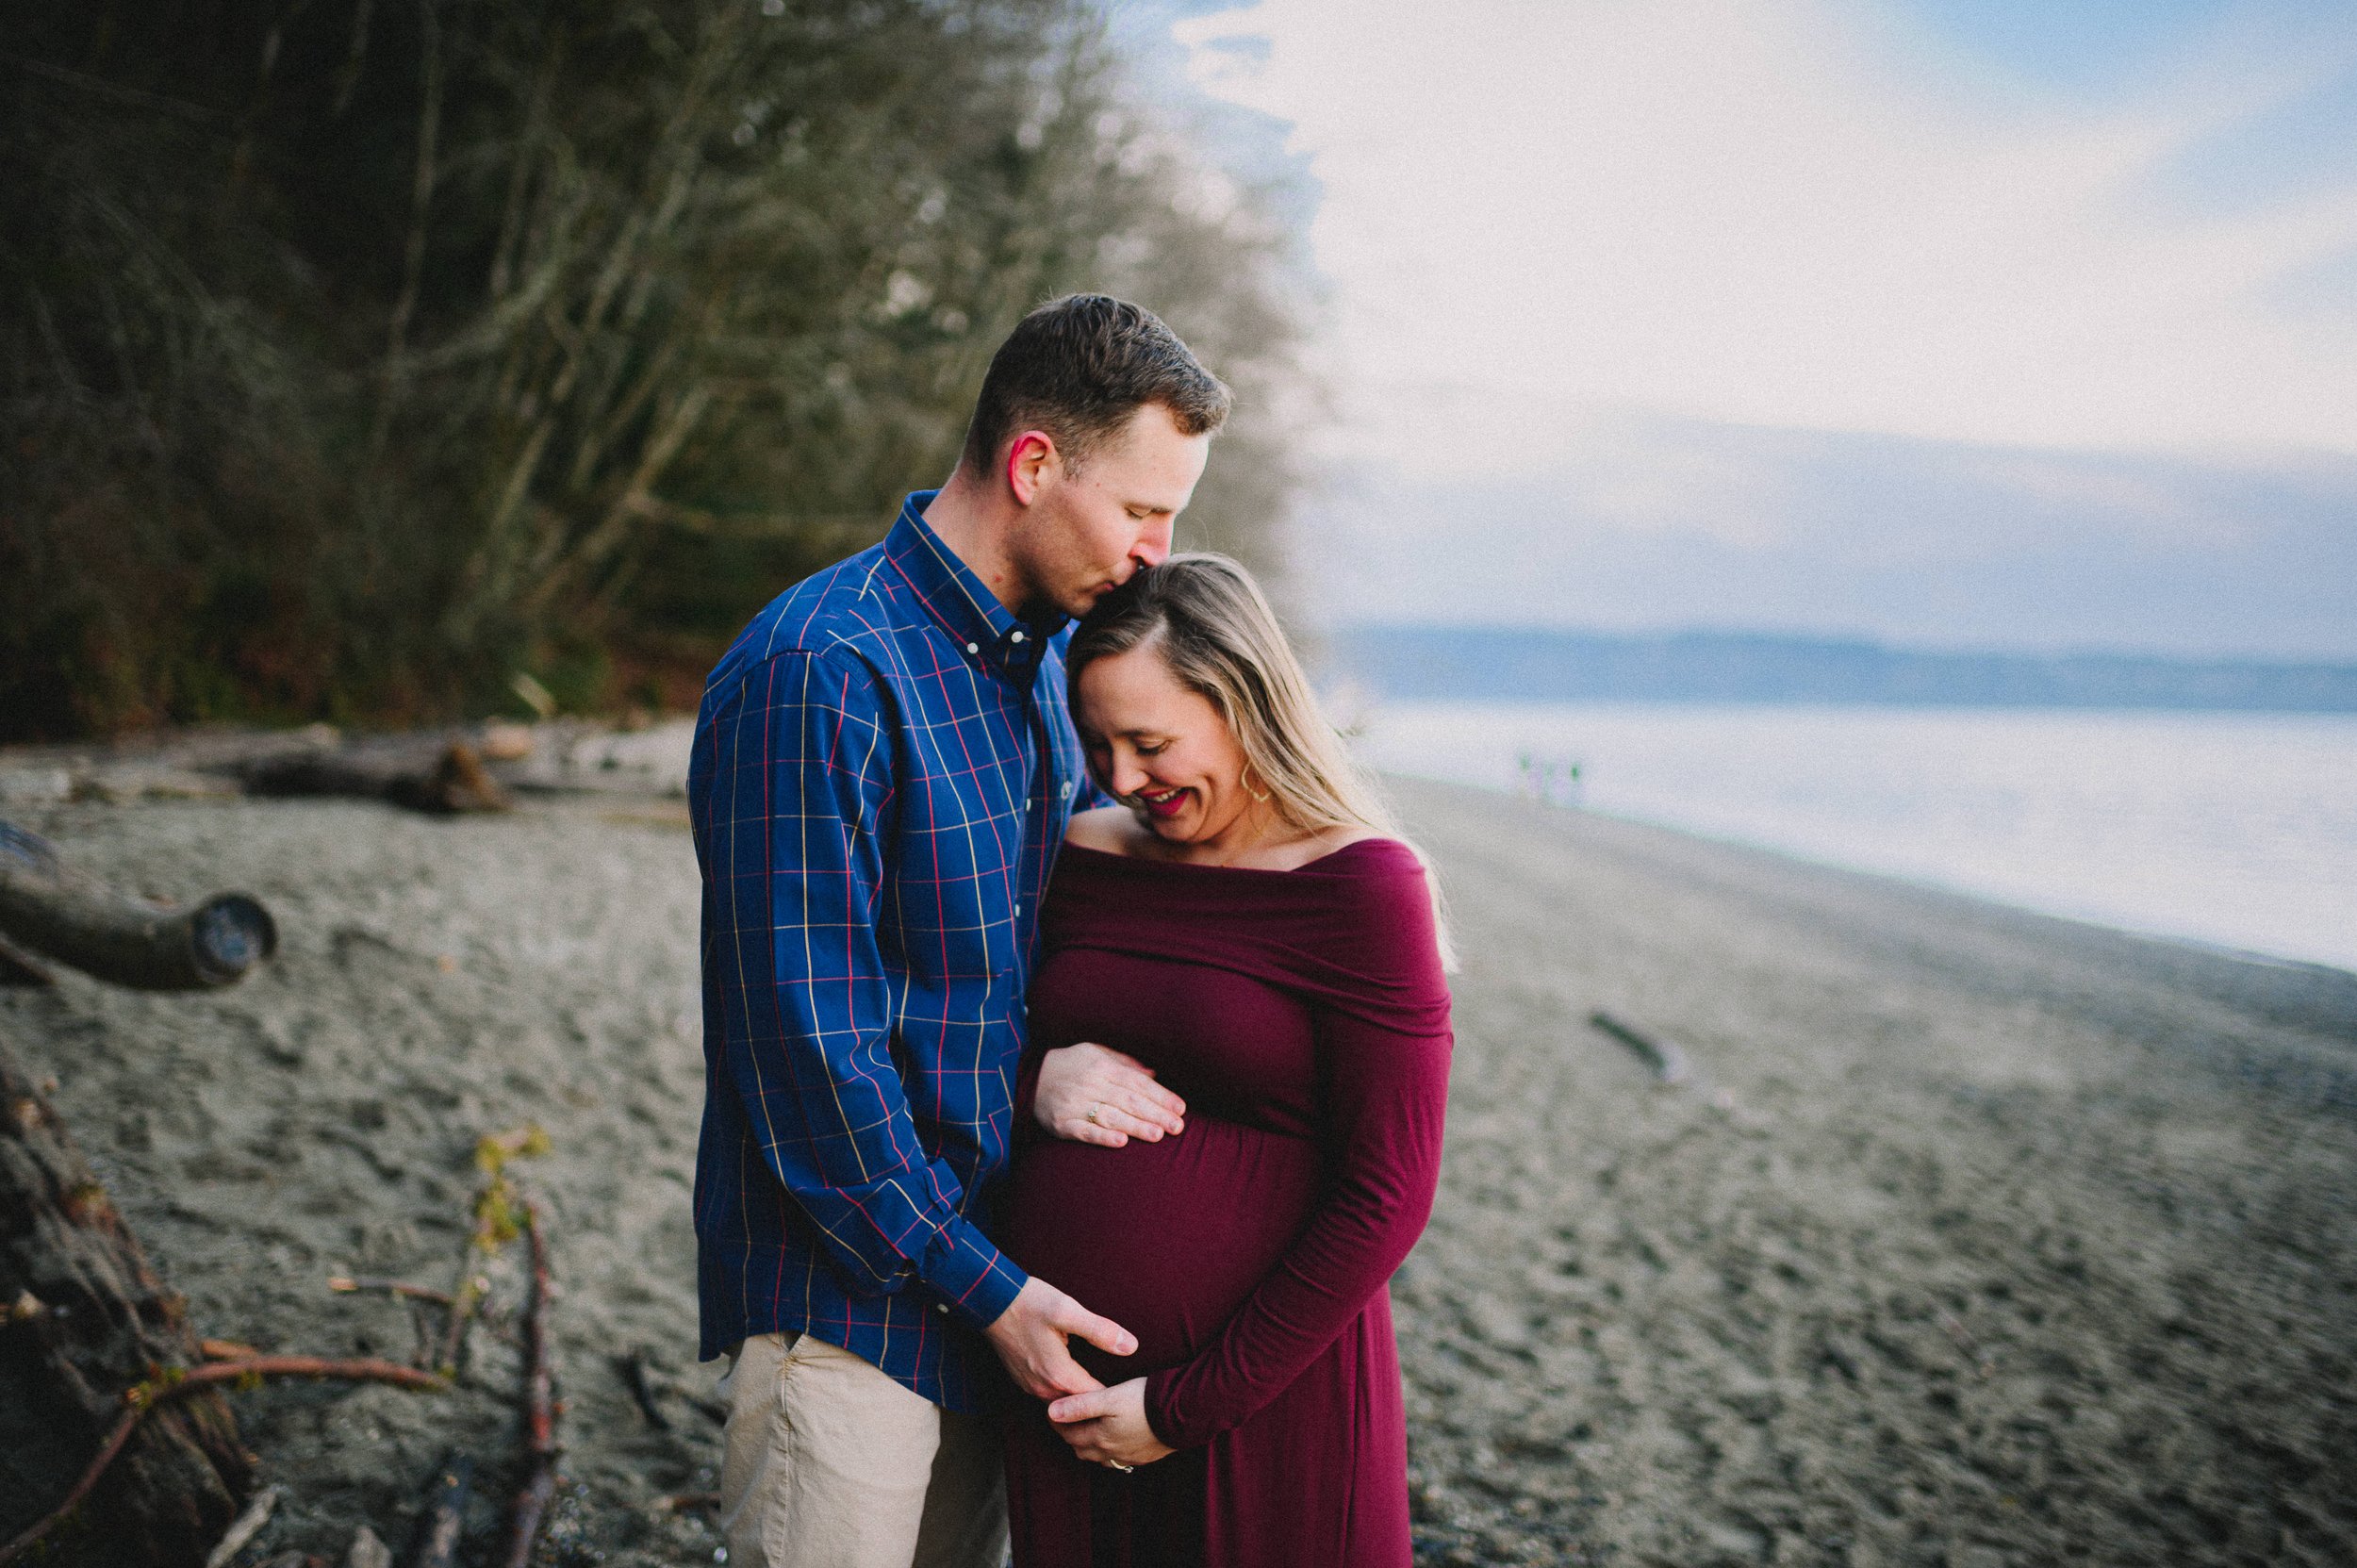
{"x": 1067, "y": 786}
{"x": 1019, "y": 637}
{"x": 1018, "y": 909}
{"x": 973, "y": 647}
{"x": 941, "y": 1306}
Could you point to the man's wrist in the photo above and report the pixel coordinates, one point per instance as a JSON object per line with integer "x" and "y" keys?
{"x": 973, "y": 1280}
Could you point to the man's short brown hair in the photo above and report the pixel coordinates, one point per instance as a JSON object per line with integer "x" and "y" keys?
{"x": 1078, "y": 368}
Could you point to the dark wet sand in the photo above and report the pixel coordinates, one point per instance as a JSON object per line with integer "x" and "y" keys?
{"x": 1988, "y": 1239}
{"x": 2023, "y": 1242}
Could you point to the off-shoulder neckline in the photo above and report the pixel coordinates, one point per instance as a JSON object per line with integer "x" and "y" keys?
{"x": 1249, "y": 870}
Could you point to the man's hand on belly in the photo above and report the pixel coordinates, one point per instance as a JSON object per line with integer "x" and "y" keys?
{"x": 1031, "y": 1337}
{"x": 1094, "y": 1094}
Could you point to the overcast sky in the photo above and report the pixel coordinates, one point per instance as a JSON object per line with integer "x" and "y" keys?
{"x": 1962, "y": 321}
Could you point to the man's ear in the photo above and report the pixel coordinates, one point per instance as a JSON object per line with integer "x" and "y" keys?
{"x": 1031, "y": 460}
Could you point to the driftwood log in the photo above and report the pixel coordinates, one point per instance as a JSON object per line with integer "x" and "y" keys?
{"x": 52, "y": 909}
{"x": 83, "y": 1319}
{"x": 442, "y": 778}
{"x": 19, "y": 967}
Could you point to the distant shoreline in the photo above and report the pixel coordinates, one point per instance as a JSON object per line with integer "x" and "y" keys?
{"x": 1534, "y": 665}
{"x": 2306, "y": 992}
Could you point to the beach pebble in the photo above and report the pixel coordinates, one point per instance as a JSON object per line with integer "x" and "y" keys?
{"x": 367, "y": 1551}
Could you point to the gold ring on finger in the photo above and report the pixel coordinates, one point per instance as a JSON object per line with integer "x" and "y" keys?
{"x": 1092, "y": 1116}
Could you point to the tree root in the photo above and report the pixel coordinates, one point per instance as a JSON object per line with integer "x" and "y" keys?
{"x": 244, "y": 1372}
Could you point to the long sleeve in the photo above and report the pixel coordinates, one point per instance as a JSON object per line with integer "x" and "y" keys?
{"x": 802, "y": 766}
{"x": 1386, "y": 1091}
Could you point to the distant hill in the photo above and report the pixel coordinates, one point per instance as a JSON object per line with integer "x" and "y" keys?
{"x": 1529, "y": 664}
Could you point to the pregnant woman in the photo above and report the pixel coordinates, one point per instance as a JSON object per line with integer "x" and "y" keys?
{"x": 1248, "y": 925}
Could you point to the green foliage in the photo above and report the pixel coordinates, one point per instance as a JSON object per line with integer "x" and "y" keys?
{"x": 358, "y": 354}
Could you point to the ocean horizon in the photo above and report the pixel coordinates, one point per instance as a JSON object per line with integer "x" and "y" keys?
{"x": 2231, "y": 830}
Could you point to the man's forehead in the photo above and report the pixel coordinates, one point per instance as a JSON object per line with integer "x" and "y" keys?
{"x": 1152, "y": 448}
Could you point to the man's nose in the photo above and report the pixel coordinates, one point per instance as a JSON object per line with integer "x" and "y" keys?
{"x": 1153, "y": 546}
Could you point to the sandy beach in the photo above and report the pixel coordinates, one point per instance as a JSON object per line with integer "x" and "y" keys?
{"x": 1974, "y": 1238}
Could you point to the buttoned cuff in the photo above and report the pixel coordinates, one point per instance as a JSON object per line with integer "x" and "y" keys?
{"x": 974, "y": 1279}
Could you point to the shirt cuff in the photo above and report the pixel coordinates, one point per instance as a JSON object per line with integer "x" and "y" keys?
{"x": 974, "y": 1279}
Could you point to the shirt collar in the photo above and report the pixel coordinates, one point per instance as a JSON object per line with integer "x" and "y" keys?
{"x": 959, "y": 600}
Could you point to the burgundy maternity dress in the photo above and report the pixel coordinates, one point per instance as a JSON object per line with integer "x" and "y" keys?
{"x": 1303, "y": 1016}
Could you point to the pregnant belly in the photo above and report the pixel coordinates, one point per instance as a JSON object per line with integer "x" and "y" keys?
{"x": 1166, "y": 1239}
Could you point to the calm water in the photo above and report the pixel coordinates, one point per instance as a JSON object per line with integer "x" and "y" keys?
{"x": 2234, "y": 829}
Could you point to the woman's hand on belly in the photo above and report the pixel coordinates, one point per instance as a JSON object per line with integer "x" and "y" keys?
{"x": 1094, "y": 1094}
{"x": 1108, "y": 1426}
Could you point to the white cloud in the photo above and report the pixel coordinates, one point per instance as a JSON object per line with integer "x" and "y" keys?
{"x": 1764, "y": 213}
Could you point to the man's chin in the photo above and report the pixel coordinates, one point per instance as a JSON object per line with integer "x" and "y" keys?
{"x": 1081, "y": 604}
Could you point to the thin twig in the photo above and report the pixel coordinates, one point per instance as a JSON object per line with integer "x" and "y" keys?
{"x": 531, "y": 1502}
{"x": 345, "y": 1285}
{"x": 177, "y": 1382}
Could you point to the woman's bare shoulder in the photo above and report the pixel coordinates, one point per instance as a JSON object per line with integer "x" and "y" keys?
{"x": 1110, "y": 829}
{"x": 1332, "y": 841}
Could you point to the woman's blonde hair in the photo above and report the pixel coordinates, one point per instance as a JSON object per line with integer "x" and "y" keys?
{"x": 1218, "y": 636}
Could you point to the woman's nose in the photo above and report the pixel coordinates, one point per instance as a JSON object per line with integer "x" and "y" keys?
{"x": 1128, "y": 778}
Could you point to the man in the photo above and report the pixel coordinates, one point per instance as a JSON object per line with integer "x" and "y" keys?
{"x": 882, "y": 773}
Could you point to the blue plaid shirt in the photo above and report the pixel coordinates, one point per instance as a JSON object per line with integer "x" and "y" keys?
{"x": 882, "y": 772}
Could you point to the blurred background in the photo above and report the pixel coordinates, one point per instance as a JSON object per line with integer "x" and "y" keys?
{"x": 360, "y": 353}
{"x": 1915, "y": 434}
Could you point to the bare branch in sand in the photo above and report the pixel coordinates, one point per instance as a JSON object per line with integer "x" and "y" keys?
{"x": 531, "y": 1502}
{"x": 631, "y": 1368}
{"x": 1669, "y": 1063}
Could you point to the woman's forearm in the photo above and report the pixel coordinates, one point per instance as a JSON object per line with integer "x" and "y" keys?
{"x": 1388, "y": 1098}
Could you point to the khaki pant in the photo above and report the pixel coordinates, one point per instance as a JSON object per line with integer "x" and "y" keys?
{"x": 829, "y": 1464}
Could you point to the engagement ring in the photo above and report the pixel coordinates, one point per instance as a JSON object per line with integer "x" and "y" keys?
{"x": 1093, "y": 1110}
